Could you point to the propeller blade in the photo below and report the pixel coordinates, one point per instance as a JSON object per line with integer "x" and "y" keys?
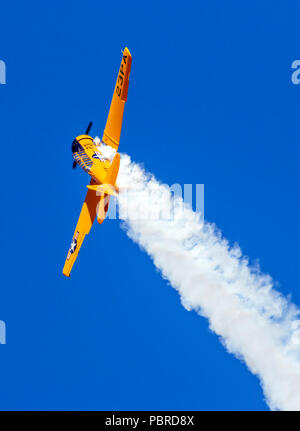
{"x": 74, "y": 164}
{"x": 88, "y": 127}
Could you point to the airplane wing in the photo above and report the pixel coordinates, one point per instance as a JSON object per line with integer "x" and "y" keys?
{"x": 113, "y": 126}
{"x": 84, "y": 224}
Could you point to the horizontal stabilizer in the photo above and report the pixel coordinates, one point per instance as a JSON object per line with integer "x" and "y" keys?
{"x": 103, "y": 189}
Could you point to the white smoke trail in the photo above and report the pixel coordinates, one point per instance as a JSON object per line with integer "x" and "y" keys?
{"x": 106, "y": 151}
{"x": 253, "y": 320}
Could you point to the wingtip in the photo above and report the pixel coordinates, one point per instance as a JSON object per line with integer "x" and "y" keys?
{"x": 126, "y": 50}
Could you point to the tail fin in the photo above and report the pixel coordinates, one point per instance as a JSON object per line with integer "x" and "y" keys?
{"x": 109, "y": 186}
{"x": 112, "y": 174}
{"x": 103, "y": 189}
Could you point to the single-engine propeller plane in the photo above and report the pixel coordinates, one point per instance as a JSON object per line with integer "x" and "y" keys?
{"x": 94, "y": 160}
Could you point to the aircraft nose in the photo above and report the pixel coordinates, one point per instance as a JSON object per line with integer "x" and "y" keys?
{"x": 75, "y": 145}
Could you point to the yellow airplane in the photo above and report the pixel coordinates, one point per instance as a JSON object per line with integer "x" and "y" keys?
{"x": 92, "y": 158}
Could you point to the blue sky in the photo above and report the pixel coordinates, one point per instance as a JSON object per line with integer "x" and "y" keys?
{"x": 211, "y": 77}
